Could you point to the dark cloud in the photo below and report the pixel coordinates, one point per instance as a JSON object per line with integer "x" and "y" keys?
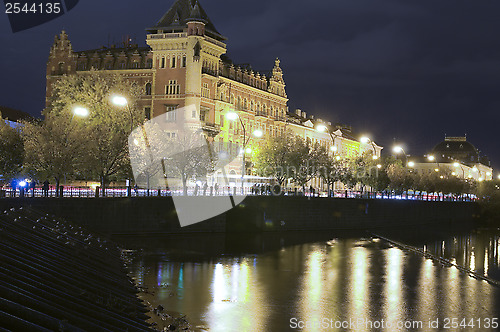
{"x": 412, "y": 70}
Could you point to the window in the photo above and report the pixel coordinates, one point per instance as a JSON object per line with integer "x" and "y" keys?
{"x": 149, "y": 63}
{"x": 109, "y": 65}
{"x": 205, "y": 91}
{"x": 135, "y": 64}
{"x": 222, "y": 120}
{"x": 193, "y": 114}
{"x": 172, "y": 88}
{"x": 172, "y": 62}
{"x": 170, "y": 114}
{"x": 148, "y": 89}
{"x": 122, "y": 65}
{"x": 162, "y": 62}
{"x": 184, "y": 60}
{"x": 147, "y": 113}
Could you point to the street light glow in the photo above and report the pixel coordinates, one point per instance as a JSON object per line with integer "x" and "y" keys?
{"x": 436, "y": 169}
{"x": 397, "y": 149}
{"x": 411, "y": 164}
{"x": 431, "y": 158}
{"x": 258, "y": 133}
{"x": 456, "y": 164}
{"x": 364, "y": 140}
{"x": 474, "y": 169}
{"x": 119, "y": 100}
{"x": 22, "y": 184}
{"x": 379, "y": 166}
{"x": 321, "y": 128}
{"x": 248, "y": 150}
{"x": 374, "y": 157}
{"x": 81, "y": 111}
{"x": 231, "y": 115}
{"x": 333, "y": 148}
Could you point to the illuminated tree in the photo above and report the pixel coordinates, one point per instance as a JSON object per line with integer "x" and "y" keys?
{"x": 11, "y": 152}
{"x": 101, "y": 138}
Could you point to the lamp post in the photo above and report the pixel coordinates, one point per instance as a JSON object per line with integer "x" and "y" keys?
{"x": 366, "y": 140}
{"x": 121, "y": 101}
{"x": 398, "y": 149}
{"x": 257, "y": 133}
{"x": 323, "y": 128}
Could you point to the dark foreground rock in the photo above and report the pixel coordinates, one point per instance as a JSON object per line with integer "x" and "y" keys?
{"x": 55, "y": 276}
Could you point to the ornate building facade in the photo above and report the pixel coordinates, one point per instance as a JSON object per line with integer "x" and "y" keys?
{"x": 185, "y": 64}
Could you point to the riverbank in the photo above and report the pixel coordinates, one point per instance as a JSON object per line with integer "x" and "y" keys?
{"x": 56, "y": 276}
{"x": 148, "y": 215}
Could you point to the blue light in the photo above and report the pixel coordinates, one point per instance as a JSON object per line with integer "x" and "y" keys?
{"x": 22, "y": 184}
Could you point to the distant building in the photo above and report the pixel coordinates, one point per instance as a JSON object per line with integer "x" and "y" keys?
{"x": 13, "y": 117}
{"x": 457, "y": 155}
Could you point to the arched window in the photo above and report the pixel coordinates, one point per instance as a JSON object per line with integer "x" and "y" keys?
{"x": 149, "y": 63}
{"x": 148, "y": 89}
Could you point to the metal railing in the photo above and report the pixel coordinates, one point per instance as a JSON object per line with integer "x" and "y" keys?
{"x": 256, "y": 190}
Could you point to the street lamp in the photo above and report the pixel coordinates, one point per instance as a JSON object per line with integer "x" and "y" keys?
{"x": 122, "y": 101}
{"x": 366, "y": 140}
{"x": 80, "y": 111}
{"x": 323, "y": 128}
{"x": 257, "y": 133}
{"x": 398, "y": 149}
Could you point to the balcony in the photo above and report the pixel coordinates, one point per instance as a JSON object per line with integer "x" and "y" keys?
{"x": 212, "y": 129}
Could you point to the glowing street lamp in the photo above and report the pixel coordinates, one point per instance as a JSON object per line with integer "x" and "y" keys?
{"x": 364, "y": 140}
{"x": 398, "y": 149}
{"x": 321, "y": 128}
{"x": 411, "y": 164}
{"x": 123, "y": 102}
{"x": 80, "y": 111}
{"x": 431, "y": 158}
{"x": 119, "y": 100}
{"x": 258, "y": 133}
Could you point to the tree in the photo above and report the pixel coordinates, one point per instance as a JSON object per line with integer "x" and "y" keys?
{"x": 11, "y": 152}
{"x": 52, "y": 147}
{"x": 102, "y": 149}
{"x": 189, "y": 156}
{"x": 274, "y": 158}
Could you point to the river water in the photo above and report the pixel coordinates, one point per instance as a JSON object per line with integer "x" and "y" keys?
{"x": 323, "y": 282}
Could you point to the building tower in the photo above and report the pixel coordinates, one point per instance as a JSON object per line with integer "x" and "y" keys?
{"x": 183, "y": 42}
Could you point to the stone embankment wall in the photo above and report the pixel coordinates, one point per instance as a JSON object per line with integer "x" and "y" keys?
{"x": 255, "y": 213}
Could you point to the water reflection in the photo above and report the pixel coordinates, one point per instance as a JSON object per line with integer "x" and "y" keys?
{"x": 319, "y": 286}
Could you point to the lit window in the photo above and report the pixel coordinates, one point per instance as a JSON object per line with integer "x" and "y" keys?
{"x": 172, "y": 88}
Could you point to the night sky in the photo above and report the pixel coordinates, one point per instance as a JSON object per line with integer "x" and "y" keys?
{"x": 410, "y": 71}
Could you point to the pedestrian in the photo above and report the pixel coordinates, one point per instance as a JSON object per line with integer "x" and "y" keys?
{"x": 45, "y": 188}
{"x": 205, "y": 187}
{"x": 216, "y": 188}
{"x": 33, "y": 186}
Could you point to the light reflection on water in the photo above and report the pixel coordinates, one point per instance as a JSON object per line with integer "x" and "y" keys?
{"x": 351, "y": 279}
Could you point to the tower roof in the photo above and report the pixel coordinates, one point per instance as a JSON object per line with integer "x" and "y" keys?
{"x": 181, "y": 12}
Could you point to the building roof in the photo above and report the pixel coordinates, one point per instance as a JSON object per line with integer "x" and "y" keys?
{"x": 13, "y": 114}
{"x": 457, "y": 148}
{"x": 181, "y": 12}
